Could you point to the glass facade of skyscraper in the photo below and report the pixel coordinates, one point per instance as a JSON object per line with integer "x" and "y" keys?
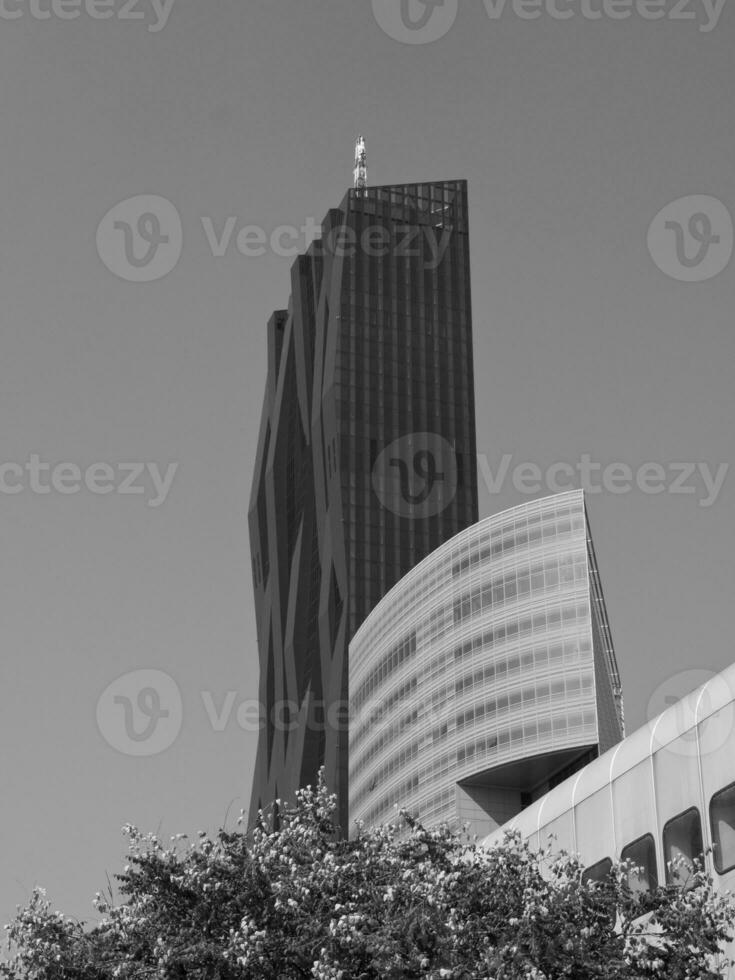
{"x": 366, "y": 460}
{"x": 403, "y": 367}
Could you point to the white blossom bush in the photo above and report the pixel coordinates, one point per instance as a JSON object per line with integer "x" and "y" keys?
{"x": 293, "y": 899}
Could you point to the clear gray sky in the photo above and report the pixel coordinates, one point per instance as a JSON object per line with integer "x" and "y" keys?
{"x": 573, "y": 135}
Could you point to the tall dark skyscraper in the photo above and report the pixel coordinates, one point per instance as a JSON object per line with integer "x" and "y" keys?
{"x": 366, "y": 459}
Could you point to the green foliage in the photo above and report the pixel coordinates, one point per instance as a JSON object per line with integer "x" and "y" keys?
{"x": 298, "y": 901}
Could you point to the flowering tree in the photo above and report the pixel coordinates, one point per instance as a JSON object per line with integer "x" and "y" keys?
{"x": 296, "y": 900}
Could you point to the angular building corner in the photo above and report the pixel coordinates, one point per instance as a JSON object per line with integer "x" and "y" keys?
{"x": 487, "y": 675}
{"x": 366, "y": 460}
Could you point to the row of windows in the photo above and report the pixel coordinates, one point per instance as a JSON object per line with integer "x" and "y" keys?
{"x": 439, "y": 665}
{"x": 376, "y": 421}
{"x": 396, "y": 344}
{"x": 367, "y": 409}
{"x": 430, "y": 318}
{"x": 431, "y": 769}
{"x": 350, "y": 428}
{"x": 411, "y": 195}
{"x": 394, "y": 796}
{"x": 404, "y": 245}
{"x": 419, "y": 212}
{"x": 387, "y": 339}
{"x": 433, "y": 377}
{"x": 379, "y": 364}
{"x": 682, "y": 845}
{"x": 388, "y": 554}
{"x": 392, "y": 660}
{"x": 529, "y": 730}
{"x": 389, "y": 279}
{"x": 520, "y": 520}
{"x": 453, "y": 323}
{"x": 402, "y": 242}
{"x": 396, "y": 238}
{"x": 403, "y": 234}
{"x": 384, "y": 709}
{"x": 539, "y": 693}
{"x": 547, "y": 531}
{"x": 515, "y": 645}
{"x": 388, "y": 736}
{"x": 431, "y": 382}
{"x": 437, "y": 767}
{"x": 365, "y": 507}
{"x": 525, "y": 516}
{"x": 546, "y": 621}
{"x": 437, "y": 251}
{"x": 404, "y": 292}
{"x": 384, "y": 301}
{"x": 381, "y": 711}
{"x": 439, "y": 807}
{"x": 401, "y": 759}
{"x": 432, "y": 631}
{"x": 496, "y": 672}
{"x": 367, "y": 447}
{"x": 517, "y": 585}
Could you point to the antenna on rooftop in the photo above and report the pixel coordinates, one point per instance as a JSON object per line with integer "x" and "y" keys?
{"x": 360, "y": 182}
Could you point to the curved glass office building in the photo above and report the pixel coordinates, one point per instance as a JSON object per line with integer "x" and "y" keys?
{"x": 487, "y": 675}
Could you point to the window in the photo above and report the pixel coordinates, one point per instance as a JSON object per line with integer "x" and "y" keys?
{"x": 722, "y": 821}
{"x": 682, "y": 844}
{"x": 598, "y": 871}
{"x": 642, "y": 853}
